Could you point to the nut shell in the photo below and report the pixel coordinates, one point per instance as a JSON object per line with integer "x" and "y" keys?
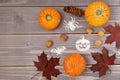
{"x": 49, "y": 43}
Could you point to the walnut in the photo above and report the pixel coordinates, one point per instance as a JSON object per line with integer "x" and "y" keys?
{"x": 63, "y": 37}
{"x": 116, "y": 24}
{"x": 98, "y": 43}
{"x": 89, "y": 30}
{"x": 101, "y": 33}
{"x": 49, "y": 43}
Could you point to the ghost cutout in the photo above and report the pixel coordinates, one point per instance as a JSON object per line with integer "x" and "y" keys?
{"x": 83, "y": 44}
{"x": 58, "y": 50}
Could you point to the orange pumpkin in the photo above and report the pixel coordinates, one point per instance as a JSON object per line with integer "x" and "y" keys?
{"x": 74, "y": 64}
{"x": 49, "y": 18}
{"x": 97, "y": 13}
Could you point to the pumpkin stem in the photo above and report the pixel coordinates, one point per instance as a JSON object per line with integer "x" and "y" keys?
{"x": 48, "y": 17}
{"x": 75, "y": 64}
{"x": 98, "y": 12}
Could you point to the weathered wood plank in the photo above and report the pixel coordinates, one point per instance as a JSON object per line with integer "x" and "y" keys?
{"x": 25, "y": 73}
{"x": 23, "y": 49}
{"x": 24, "y": 60}
{"x": 34, "y": 41}
{"x": 24, "y": 20}
{"x": 52, "y": 2}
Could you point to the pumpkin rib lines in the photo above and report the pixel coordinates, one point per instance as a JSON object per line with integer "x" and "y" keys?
{"x": 97, "y": 13}
{"x": 74, "y": 64}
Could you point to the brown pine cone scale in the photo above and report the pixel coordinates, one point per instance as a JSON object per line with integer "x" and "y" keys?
{"x": 73, "y": 10}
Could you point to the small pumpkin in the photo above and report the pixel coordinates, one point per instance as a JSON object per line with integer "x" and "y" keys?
{"x": 97, "y": 13}
{"x": 74, "y": 64}
{"x": 49, "y": 18}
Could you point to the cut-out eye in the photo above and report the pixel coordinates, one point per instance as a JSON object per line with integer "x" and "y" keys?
{"x": 85, "y": 45}
{"x": 80, "y": 45}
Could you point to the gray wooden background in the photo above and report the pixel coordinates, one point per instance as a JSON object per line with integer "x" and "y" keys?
{"x": 22, "y": 39}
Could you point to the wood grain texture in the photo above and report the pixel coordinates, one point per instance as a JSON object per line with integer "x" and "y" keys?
{"x": 25, "y": 73}
{"x": 24, "y": 20}
{"x": 21, "y": 50}
{"x": 52, "y": 2}
{"x": 22, "y": 39}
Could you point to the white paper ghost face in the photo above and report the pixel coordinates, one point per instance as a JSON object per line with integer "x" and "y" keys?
{"x": 83, "y": 44}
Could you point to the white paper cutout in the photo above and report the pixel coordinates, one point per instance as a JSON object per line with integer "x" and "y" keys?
{"x": 58, "y": 50}
{"x": 71, "y": 24}
{"x": 83, "y": 44}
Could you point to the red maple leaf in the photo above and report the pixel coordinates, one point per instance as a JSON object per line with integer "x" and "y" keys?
{"x": 115, "y": 35}
{"x": 47, "y": 66}
{"x": 103, "y": 61}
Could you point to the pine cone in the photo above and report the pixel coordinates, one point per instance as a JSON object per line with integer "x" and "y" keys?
{"x": 73, "y": 10}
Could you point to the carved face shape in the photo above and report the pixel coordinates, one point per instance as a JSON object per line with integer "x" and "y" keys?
{"x": 83, "y": 44}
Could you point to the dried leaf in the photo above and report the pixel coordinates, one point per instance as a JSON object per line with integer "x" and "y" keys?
{"x": 103, "y": 61}
{"x": 115, "y": 35}
{"x": 42, "y": 62}
{"x": 47, "y": 66}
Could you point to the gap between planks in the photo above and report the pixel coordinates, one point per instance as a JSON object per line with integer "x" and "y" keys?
{"x": 88, "y": 65}
{"x": 48, "y": 33}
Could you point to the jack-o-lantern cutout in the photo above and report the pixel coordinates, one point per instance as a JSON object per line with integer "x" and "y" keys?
{"x": 82, "y": 44}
